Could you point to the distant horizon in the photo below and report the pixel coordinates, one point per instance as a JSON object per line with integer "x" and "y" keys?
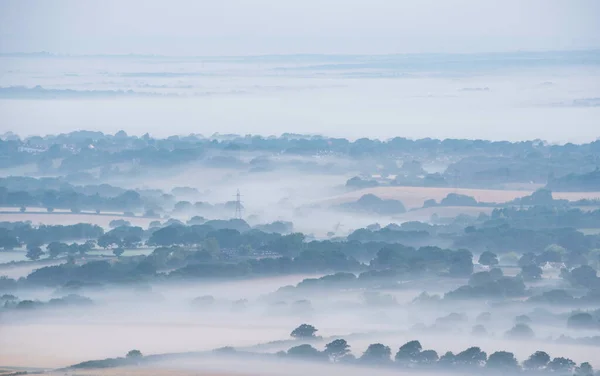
{"x": 217, "y": 135}
{"x": 289, "y": 54}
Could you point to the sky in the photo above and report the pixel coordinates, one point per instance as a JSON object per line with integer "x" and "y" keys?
{"x": 243, "y": 27}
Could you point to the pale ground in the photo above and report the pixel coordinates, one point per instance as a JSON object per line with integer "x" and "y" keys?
{"x": 414, "y": 197}
{"x": 141, "y": 371}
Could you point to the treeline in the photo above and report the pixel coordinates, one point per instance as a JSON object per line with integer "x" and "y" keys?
{"x": 480, "y": 162}
{"x": 71, "y": 200}
{"x": 412, "y": 356}
{"x": 543, "y": 217}
{"x": 15, "y": 234}
{"x": 589, "y": 182}
{"x": 208, "y": 261}
{"x": 504, "y": 238}
{"x": 294, "y": 144}
{"x": 11, "y": 302}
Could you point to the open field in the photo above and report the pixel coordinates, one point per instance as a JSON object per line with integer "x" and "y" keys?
{"x": 142, "y": 371}
{"x": 413, "y": 197}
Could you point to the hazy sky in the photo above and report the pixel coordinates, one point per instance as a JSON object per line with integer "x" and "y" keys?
{"x": 209, "y": 27}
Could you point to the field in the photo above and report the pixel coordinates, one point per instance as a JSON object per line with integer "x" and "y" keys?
{"x": 140, "y": 371}
{"x": 413, "y": 197}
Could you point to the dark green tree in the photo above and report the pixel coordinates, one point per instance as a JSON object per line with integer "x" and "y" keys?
{"x": 488, "y": 258}
{"x": 503, "y": 361}
{"x": 304, "y": 331}
{"x": 537, "y": 361}
{"x": 376, "y": 353}
{"x": 337, "y": 349}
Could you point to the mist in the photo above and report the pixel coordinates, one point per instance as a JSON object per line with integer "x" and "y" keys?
{"x": 461, "y": 96}
{"x": 290, "y": 188}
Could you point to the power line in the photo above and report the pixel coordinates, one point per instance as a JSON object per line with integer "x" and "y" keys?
{"x": 238, "y": 205}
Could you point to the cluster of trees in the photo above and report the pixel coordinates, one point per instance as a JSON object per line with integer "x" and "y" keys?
{"x": 189, "y": 264}
{"x": 370, "y": 203}
{"x": 209, "y": 261}
{"x": 456, "y": 199}
{"x": 489, "y": 284}
{"x": 70, "y": 198}
{"x": 479, "y": 162}
{"x": 544, "y": 217}
{"x": 71, "y": 300}
{"x": 577, "y": 182}
{"x": 15, "y": 234}
{"x": 504, "y": 238}
{"x": 457, "y": 263}
{"x": 411, "y": 355}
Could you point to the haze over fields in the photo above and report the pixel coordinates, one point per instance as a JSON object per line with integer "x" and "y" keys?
{"x": 299, "y": 187}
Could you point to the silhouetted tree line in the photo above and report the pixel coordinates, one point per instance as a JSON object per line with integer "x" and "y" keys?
{"x": 480, "y": 162}
{"x": 503, "y": 238}
{"x": 412, "y": 356}
{"x": 15, "y": 234}
{"x": 208, "y": 261}
{"x": 71, "y": 200}
{"x": 544, "y": 217}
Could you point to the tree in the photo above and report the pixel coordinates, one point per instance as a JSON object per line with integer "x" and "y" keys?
{"x": 131, "y": 241}
{"x": 56, "y": 248}
{"x": 427, "y": 357}
{"x": 471, "y": 357}
{"x": 585, "y": 369}
{"x": 376, "y": 353}
{"x": 520, "y": 331}
{"x": 563, "y": 365}
{"x": 502, "y": 360}
{"x": 118, "y": 222}
{"x": 479, "y": 330}
{"x": 527, "y": 259}
{"x": 488, "y": 258}
{"x": 134, "y": 354}
{"x": 582, "y": 320}
{"x": 165, "y": 236}
{"x": 211, "y": 245}
{"x": 118, "y": 251}
{"x": 537, "y": 361}
{"x": 107, "y": 240}
{"x": 8, "y": 240}
{"x": 480, "y": 279}
{"x": 448, "y": 359}
{"x": 584, "y": 276}
{"x": 461, "y": 263}
{"x": 306, "y": 352}
{"x": 337, "y": 349}
{"x": 531, "y": 272}
{"x": 154, "y": 224}
{"x": 408, "y": 352}
{"x": 304, "y": 331}
{"x": 34, "y": 253}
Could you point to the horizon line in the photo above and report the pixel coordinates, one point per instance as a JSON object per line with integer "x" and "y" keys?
{"x": 133, "y": 54}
